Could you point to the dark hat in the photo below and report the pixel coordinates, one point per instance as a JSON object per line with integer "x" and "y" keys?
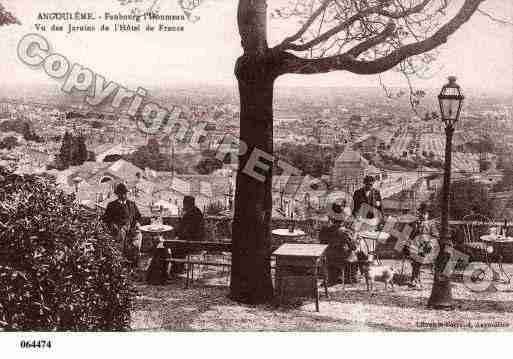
{"x": 120, "y": 188}
{"x": 336, "y": 212}
{"x": 189, "y": 200}
{"x": 368, "y": 179}
{"x": 336, "y": 208}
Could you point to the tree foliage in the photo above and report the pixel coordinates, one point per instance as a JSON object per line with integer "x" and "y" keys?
{"x": 73, "y": 151}
{"x": 6, "y": 18}
{"x": 59, "y": 270}
{"x": 150, "y": 156}
{"x": 312, "y": 159}
{"x": 29, "y": 134}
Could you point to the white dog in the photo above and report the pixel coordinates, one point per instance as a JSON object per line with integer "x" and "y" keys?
{"x": 378, "y": 273}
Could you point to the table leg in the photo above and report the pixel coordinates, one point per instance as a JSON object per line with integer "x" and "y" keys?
{"x": 192, "y": 269}
{"x": 187, "y": 274}
{"x": 280, "y": 289}
{"x": 325, "y": 281}
{"x": 316, "y": 288}
{"x": 344, "y": 276}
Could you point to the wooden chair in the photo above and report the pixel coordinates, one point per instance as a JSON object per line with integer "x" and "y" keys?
{"x": 475, "y": 226}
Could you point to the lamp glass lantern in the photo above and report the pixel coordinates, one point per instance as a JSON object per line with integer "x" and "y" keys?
{"x": 450, "y": 100}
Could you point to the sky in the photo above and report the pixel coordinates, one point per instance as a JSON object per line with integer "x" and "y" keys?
{"x": 480, "y": 54}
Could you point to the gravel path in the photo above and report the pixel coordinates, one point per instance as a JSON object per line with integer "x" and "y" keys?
{"x": 207, "y": 307}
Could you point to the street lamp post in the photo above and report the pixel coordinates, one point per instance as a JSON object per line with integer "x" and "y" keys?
{"x": 450, "y": 100}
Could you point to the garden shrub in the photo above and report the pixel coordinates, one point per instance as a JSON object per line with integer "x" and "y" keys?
{"x": 59, "y": 270}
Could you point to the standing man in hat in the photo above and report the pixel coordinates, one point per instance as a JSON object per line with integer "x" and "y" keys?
{"x": 367, "y": 200}
{"x": 123, "y": 219}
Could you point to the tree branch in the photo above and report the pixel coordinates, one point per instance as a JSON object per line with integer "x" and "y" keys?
{"x": 348, "y": 62}
{"x": 287, "y": 44}
{"x": 493, "y": 18}
{"x": 302, "y": 30}
{"x": 373, "y": 41}
{"x": 329, "y": 33}
{"x": 406, "y": 12}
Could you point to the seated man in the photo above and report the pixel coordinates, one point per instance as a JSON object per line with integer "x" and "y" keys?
{"x": 341, "y": 246}
{"x": 190, "y": 228}
{"x": 421, "y": 243}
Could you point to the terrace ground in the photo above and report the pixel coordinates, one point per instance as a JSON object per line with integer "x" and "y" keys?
{"x": 205, "y": 306}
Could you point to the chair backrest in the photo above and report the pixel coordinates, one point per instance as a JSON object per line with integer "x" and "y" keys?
{"x": 475, "y": 226}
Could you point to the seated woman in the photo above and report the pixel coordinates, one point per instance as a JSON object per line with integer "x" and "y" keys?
{"x": 341, "y": 246}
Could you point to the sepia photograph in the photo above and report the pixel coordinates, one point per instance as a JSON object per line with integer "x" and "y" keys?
{"x": 255, "y": 166}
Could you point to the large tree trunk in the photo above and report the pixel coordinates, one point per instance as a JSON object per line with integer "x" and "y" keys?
{"x": 251, "y": 237}
{"x": 251, "y": 275}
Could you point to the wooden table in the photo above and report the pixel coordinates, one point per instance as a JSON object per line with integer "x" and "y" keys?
{"x": 299, "y": 265}
{"x": 158, "y": 269}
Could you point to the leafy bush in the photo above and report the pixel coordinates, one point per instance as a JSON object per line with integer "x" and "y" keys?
{"x": 150, "y": 156}
{"x": 59, "y": 270}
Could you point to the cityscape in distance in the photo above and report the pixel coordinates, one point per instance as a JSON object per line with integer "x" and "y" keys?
{"x": 334, "y": 134}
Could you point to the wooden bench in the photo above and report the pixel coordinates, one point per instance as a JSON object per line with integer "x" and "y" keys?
{"x": 197, "y": 246}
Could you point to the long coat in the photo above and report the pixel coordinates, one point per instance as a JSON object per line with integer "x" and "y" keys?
{"x": 373, "y": 200}
{"x": 119, "y": 215}
{"x": 121, "y": 219}
{"x": 192, "y": 226}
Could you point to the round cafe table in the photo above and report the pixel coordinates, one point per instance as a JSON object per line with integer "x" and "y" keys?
{"x": 158, "y": 269}
{"x": 283, "y": 235}
{"x": 156, "y": 229}
{"x": 284, "y": 232}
